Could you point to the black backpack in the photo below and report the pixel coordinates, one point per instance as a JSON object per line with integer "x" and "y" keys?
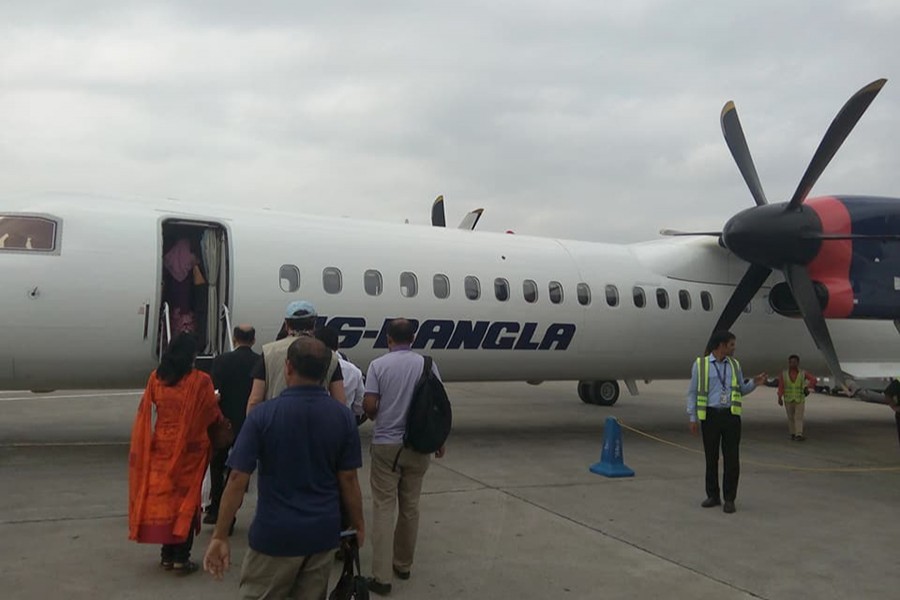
{"x": 429, "y": 418}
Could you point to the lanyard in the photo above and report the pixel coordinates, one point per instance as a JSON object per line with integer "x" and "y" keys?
{"x": 721, "y": 374}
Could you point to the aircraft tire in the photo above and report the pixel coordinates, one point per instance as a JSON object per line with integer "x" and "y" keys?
{"x": 584, "y": 391}
{"x": 604, "y": 393}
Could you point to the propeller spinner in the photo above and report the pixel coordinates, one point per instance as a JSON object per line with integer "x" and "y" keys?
{"x": 785, "y": 236}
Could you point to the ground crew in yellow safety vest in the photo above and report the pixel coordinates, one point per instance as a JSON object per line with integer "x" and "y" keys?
{"x": 794, "y": 386}
{"x": 715, "y": 398}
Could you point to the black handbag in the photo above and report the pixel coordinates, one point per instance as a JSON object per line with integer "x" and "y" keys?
{"x": 352, "y": 585}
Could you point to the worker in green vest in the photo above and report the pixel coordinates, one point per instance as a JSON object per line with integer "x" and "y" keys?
{"x": 794, "y": 386}
{"x": 715, "y": 398}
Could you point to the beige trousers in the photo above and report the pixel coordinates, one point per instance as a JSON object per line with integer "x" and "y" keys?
{"x": 394, "y": 543}
{"x": 794, "y": 412}
{"x": 265, "y": 577}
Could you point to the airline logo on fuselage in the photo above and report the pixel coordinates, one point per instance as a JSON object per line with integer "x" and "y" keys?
{"x": 447, "y": 334}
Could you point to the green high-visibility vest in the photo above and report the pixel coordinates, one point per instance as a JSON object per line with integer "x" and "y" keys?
{"x": 793, "y": 390}
{"x": 703, "y": 386}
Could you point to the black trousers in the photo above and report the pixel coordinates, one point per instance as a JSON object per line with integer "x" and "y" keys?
{"x": 721, "y": 428}
{"x": 218, "y": 475}
{"x": 897, "y": 418}
{"x": 178, "y": 553}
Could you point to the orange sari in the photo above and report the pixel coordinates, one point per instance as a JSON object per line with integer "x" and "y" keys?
{"x": 168, "y": 460}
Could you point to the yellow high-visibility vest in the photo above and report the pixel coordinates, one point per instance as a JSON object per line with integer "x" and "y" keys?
{"x": 703, "y": 386}
{"x": 793, "y": 390}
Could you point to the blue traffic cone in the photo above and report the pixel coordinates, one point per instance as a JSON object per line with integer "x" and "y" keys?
{"x": 611, "y": 459}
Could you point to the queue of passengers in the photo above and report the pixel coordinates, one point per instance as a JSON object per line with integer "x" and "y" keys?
{"x": 291, "y": 416}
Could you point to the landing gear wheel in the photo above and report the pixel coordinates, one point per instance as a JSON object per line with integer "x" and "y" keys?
{"x": 584, "y": 391}
{"x": 604, "y": 393}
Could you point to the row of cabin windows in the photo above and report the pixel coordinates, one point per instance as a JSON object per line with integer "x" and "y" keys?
{"x": 373, "y": 282}
{"x": 639, "y": 298}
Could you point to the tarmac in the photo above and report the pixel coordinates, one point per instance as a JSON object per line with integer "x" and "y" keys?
{"x": 512, "y": 511}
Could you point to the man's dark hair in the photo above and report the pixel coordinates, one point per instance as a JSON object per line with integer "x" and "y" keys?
{"x": 178, "y": 359}
{"x": 301, "y": 323}
{"x": 328, "y": 336}
{"x": 720, "y": 337}
{"x": 309, "y": 357}
{"x": 244, "y": 336}
{"x": 402, "y": 331}
{"x": 794, "y": 356}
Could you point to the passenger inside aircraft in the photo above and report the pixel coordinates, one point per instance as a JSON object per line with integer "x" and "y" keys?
{"x": 194, "y": 284}
{"x": 184, "y": 285}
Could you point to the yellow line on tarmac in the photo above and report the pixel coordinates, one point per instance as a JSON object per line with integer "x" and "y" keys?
{"x": 884, "y": 469}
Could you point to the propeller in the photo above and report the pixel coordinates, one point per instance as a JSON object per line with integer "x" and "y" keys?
{"x": 437, "y": 212}
{"x": 786, "y": 236}
{"x": 471, "y": 219}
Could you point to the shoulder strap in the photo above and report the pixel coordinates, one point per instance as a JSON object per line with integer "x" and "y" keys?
{"x": 426, "y": 372}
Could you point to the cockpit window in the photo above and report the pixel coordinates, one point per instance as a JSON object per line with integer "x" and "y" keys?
{"x": 29, "y": 234}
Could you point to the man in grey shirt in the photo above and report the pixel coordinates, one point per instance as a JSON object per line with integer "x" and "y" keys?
{"x": 396, "y": 472}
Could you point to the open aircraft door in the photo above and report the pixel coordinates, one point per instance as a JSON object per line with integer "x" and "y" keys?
{"x": 195, "y": 288}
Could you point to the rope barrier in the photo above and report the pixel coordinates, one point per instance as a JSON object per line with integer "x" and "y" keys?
{"x": 883, "y": 469}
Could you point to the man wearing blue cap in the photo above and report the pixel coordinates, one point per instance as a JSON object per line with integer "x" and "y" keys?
{"x": 268, "y": 375}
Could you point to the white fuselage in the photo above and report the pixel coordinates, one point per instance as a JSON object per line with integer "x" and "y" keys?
{"x": 87, "y": 316}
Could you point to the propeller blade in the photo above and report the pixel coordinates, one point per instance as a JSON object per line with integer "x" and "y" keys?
{"x": 886, "y": 237}
{"x": 838, "y": 131}
{"x": 676, "y": 233}
{"x": 737, "y": 143}
{"x": 750, "y": 283}
{"x": 805, "y": 295}
{"x": 471, "y": 219}
{"x": 437, "y": 212}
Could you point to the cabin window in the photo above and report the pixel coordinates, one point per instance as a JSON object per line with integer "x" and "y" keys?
{"x": 289, "y": 278}
{"x": 584, "y": 294}
{"x": 373, "y": 282}
{"x": 706, "y": 301}
{"x": 332, "y": 280}
{"x": 473, "y": 288}
{"x": 530, "y": 291}
{"x": 29, "y": 234}
{"x": 640, "y": 299}
{"x": 441, "y": 284}
{"x": 409, "y": 284}
{"x": 684, "y": 298}
{"x": 612, "y": 295}
{"x": 556, "y": 292}
{"x": 501, "y": 289}
{"x": 662, "y": 298}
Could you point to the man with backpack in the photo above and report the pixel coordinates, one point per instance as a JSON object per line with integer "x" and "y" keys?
{"x": 412, "y": 420}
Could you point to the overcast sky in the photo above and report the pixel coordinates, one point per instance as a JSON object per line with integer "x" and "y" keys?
{"x": 582, "y": 119}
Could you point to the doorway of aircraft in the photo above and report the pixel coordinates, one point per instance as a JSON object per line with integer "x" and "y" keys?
{"x": 195, "y": 286}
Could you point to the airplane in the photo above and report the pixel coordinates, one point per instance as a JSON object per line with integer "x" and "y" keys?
{"x": 88, "y": 299}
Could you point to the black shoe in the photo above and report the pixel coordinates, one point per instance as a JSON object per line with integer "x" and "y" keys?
{"x": 728, "y": 507}
{"x": 210, "y": 518}
{"x": 793, "y": 437}
{"x": 710, "y": 502}
{"x": 404, "y": 575}
{"x": 800, "y": 438}
{"x": 382, "y": 589}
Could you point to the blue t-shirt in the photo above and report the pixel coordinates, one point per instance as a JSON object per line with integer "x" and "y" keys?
{"x": 301, "y": 439}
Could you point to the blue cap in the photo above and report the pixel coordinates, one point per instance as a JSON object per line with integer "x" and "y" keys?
{"x": 300, "y": 309}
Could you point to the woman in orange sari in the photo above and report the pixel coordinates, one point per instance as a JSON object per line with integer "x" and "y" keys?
{"x": 170, "y": 451}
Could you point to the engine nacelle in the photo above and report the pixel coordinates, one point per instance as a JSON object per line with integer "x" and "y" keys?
{"x": 782, "y": 300}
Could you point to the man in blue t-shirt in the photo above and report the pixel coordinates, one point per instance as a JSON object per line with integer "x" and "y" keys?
{"x": 308, "y": 451}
